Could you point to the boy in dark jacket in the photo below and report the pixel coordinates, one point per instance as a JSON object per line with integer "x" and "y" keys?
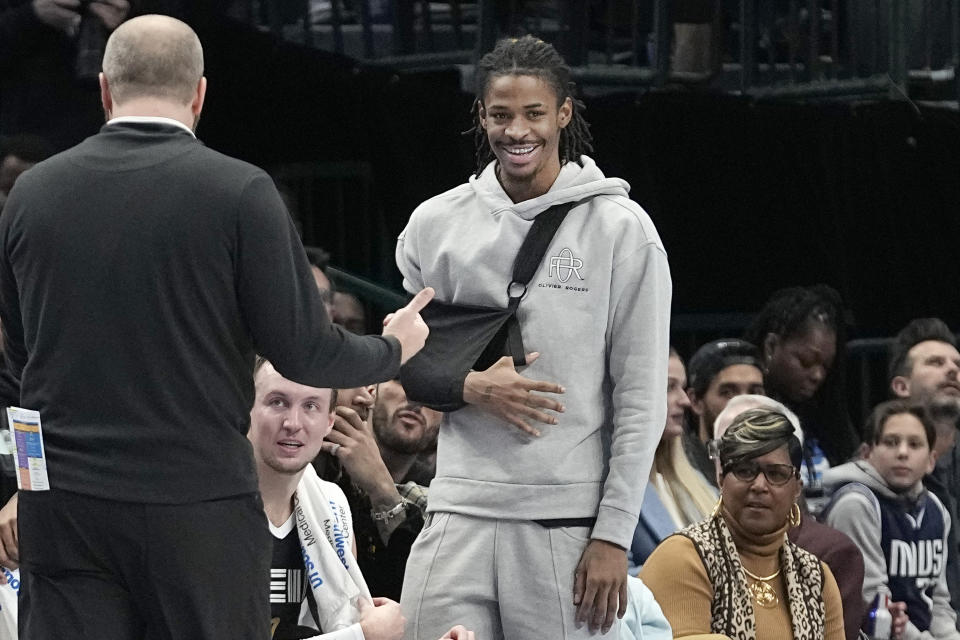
{"x": 900, "y": 527}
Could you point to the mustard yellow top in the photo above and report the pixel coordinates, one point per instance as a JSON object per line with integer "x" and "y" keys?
{"x": 676, "y": 576}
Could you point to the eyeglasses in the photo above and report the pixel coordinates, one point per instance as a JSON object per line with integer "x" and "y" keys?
{"x": 776, "y": 474}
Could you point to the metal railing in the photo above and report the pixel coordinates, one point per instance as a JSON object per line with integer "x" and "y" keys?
{"x": 766, "y": 48}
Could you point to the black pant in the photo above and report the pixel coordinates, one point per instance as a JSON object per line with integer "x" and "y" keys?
{"x": 104, "y": 570}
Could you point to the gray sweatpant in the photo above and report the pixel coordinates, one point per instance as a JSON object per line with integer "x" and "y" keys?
{"x": 503, "y": 579}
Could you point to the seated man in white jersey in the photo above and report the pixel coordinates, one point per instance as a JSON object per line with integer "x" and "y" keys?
{"x": 316, "y": 588}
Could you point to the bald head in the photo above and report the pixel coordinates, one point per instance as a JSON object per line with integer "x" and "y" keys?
{"x": 153, "y": 56}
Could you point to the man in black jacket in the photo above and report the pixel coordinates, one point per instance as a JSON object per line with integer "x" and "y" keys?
{"x": 139, "y": 273}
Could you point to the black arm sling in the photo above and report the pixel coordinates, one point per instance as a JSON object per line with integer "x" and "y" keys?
{"x": 464, "y": 337}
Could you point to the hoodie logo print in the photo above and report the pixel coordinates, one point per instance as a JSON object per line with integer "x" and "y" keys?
{"x": 566, "y": 265}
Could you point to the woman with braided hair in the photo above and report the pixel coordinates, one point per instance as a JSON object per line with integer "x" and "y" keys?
{"x": 801, "y": 333}
{"x": 735, "y": 574}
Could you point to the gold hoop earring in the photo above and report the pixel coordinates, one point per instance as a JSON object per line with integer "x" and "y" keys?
{"x": 716, "y": 509}
{"x": 795, "y": 515}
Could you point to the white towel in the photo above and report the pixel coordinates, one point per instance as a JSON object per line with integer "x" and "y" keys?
{"x": 325, "y": 528}
{"x": 8, "y": 604}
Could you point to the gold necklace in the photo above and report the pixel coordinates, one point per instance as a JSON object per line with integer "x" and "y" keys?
{"x": 762, "y": 592}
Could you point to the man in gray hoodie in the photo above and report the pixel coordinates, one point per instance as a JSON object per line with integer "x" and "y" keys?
{"x": 527, "y": 530}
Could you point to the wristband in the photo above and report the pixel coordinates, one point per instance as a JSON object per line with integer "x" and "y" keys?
{"x": 391, "y": 513}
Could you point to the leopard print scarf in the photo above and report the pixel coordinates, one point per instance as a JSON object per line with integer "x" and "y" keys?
{"x": 732, "y": 609}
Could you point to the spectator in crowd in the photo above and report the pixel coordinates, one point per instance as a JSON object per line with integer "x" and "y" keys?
{"x": 343, "y": 307}
{"x": 945, "y": 415}
{"x": 802, "y": 336}
{"x": 719, "y": 370}
{"x": 831, "y": 546}
{"x": 50, "y": 52}
{"x": 349, "y": 312}
{"x": 17, "y": 154}
{"x": 522, "y": 511}
{"x": 319, "y": 261}
{"x": 900, "y": 527}
{"x": 741, "y": 404}
{"x": 317, "y": 589}
{"x": 360, "y": 399}
{"x": 924, "y": 366}
{"x": 924, "y": 361}
{"x": 734, "y": 573}
{"x": 677, "y": 494}
{"x": 404, "y": 429}
{"x": 170, "y": 263}
{"x": 376, "y": 455}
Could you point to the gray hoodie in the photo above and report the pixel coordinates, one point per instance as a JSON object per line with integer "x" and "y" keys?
{"x": 597, "y": 310}
{"x": 858, "y": 516}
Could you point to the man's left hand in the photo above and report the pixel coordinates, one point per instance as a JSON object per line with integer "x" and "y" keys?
{"x": 110, "y": 12}
{"x": 600, "y": 585}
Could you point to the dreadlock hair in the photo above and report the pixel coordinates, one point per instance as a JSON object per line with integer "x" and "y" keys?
{"x": 786, "y": 315}
{"x": 788, "y": 310}
{"x": 530, "y": 56}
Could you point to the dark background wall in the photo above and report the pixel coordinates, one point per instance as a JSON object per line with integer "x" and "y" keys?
{"x": 748, "y": 196}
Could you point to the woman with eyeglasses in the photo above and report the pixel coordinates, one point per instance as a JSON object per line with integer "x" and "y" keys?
{"x": 735, "y": 575}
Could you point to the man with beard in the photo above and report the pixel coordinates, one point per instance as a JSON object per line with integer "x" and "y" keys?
{"x": 376, "y": 456}
{"x": 924, "y": 366}
{"x": 404, "y": 430}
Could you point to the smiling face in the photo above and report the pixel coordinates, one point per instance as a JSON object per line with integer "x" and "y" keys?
{"x": 288, "y": 422}
{"x": 902, "y": 454}
{"x": 759, "y": 506}
{"x": 523, "y": 118}
{"x": 402, "y": 426}
{"x": 677, "y": 400}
